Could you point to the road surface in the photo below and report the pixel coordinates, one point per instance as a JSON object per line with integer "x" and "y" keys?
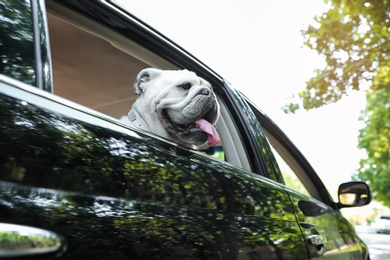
{"x": 378, "y": 244}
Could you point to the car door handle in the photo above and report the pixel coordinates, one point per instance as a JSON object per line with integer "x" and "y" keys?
{"x": 316, "y": 240}
{"x": 21, "y": 241}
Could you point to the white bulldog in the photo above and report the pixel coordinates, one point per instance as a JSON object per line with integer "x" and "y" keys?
{"x": 176, "y": 104}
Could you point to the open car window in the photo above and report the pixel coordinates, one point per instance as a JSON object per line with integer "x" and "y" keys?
{"x": 96, "y": 67}
{"x": 92, "y": 65}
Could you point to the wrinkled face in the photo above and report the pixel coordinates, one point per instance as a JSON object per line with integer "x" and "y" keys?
{"x": 184, "y": 105}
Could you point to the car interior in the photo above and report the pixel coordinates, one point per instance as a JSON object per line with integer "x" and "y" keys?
{"x": 96, "y": 67}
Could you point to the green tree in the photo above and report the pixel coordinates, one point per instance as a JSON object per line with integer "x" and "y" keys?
{"x": 375, "y": 139}
{"x": 353, "y": 37}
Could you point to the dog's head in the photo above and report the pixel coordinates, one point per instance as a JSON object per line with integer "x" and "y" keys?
{"x": 176, "y": 104}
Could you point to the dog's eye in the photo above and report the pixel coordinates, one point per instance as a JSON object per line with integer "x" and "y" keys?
{"x": 185, "y": 86}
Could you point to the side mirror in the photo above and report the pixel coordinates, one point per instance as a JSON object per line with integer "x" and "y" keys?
{"x": 354, "y": 194}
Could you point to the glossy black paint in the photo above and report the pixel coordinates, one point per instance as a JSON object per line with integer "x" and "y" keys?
{"x": 315, "y": 217}
{"x": 116, "y": 194}
{"x": 110, "y": 191}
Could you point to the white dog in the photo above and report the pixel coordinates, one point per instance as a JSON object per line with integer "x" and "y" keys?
{"x": 176, "y": 104}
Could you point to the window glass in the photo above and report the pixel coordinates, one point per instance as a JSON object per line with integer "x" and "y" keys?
{"x": 16, "y": 41}
{"x": 294, "y": 176}
{"x": 290, "y": 178}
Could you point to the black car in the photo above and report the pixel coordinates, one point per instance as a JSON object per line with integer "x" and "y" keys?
{"x": 77, "y": 183}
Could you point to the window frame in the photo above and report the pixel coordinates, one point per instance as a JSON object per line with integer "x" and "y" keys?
{"x": 43, "y": 69}
{"x": 294, "y": 159}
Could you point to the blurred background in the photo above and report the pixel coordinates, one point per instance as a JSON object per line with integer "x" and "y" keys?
{"x": 259, "y": 47}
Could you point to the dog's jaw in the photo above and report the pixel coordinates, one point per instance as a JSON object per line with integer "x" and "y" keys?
{"x": 194, "y": 123}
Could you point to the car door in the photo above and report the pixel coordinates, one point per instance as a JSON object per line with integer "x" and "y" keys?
{"x": 107, "y": 191}
{"x": 327, "y": 233}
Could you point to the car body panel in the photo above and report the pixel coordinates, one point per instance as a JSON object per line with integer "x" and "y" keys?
{"x": 316, "y": 217}
{"x": 92, "y": 181}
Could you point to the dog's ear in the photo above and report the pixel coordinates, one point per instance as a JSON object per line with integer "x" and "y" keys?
{"x": 143, "y": 77}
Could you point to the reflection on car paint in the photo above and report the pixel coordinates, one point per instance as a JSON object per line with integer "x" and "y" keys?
{"x": 16, "y": 38}
{"x": 317, "y": 218}
{"x": 99, "y": 182}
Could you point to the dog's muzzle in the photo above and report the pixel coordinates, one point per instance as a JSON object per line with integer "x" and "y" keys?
{"x": 195, "y": 121}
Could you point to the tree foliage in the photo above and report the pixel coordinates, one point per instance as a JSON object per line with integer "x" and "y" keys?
{"x": 375, "y": 139}
{"x": 353, "y": 37}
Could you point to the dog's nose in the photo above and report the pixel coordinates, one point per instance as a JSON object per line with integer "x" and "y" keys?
{"x": 205, "y": 91}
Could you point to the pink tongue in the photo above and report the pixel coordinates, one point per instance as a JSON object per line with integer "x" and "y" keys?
{"x": 209, "y": 129}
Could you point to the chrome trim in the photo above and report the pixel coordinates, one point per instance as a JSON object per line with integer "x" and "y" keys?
{"x": 316, "y": 240}
{"x": 43, "y": 68}
{"x": 19, "y": 241}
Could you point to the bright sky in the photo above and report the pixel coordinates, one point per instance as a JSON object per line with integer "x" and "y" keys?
{"x": 258, "y": 47}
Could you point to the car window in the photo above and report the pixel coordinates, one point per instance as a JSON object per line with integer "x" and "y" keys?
{"x": 96, "y": 67}
{"x": 295, "y": 171}
{"x": 290, "y": 178}
{"x": 295, "y": 177}
{"x": 16, "y": 41}
{"x": 385, "y": 217}
{"x": 87, "y": 68}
